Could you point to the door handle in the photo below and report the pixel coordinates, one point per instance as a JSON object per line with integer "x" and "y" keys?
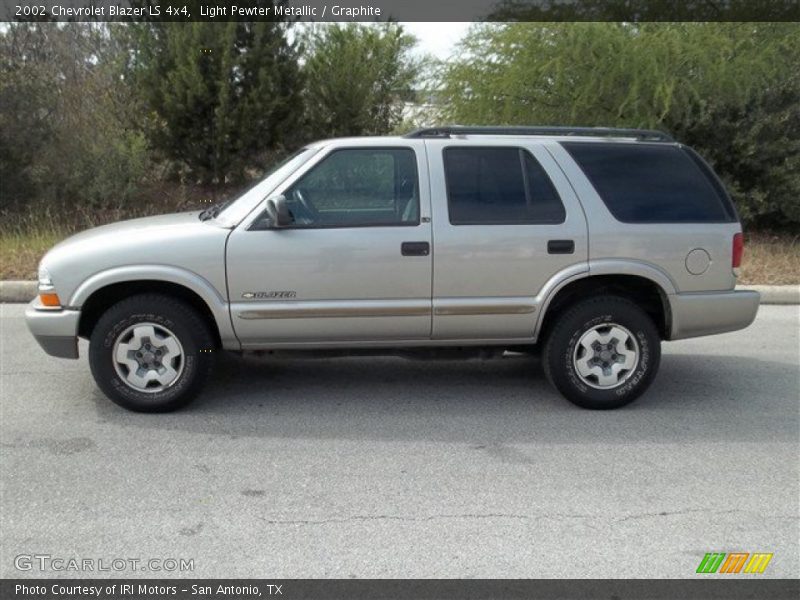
{"x": 561, "y": 247}
{"x": 415, "y": 248}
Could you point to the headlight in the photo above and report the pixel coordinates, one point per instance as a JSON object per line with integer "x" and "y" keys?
{"x": 44, "y": 277}
{"x": 47, "y": 295}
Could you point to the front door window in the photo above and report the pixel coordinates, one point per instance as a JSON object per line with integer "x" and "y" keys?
{"x": 357, "y": 187}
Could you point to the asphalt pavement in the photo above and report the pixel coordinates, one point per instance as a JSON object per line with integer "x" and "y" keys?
{"x": 384, "y": 467}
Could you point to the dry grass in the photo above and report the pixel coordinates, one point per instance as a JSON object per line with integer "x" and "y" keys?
{"x": 24, "y": 238}
{"x": 21, "y": 252}
{"x": 769, "y": 259}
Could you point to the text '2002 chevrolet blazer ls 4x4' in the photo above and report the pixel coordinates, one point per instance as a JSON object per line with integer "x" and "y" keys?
{"x": 593, "y": 244}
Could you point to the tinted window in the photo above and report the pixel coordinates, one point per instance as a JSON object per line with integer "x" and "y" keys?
{"x": 499, "y": 186}
{"x": 355, "y": 187}
{"x": 650, "y": 184}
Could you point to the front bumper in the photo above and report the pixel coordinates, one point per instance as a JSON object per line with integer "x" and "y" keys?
{"x": 693, "y": 315}
{"x": 55, "y": 330}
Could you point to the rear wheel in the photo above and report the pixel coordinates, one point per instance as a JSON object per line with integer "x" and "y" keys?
{"x": 603, "y": 353}
{"x": 151, "y": 353}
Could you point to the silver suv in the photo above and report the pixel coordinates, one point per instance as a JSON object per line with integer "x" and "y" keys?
{"x": 593, "y": 245}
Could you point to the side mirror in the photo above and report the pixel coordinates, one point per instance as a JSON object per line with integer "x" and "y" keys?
{"x": 278, "y": 211}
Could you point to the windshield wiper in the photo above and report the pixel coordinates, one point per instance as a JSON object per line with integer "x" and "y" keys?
{"x": 212, "y": 211}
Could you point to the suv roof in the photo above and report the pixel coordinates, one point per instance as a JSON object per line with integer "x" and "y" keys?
{"x": 644, "y": 135}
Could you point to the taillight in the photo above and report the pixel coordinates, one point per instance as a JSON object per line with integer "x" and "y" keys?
{"x": 738, "y": 250}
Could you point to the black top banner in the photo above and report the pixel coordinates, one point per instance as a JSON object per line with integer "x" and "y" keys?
{"x": 400, "y": 10}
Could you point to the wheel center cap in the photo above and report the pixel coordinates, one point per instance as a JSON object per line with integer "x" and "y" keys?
{"x": 605, "y": 355}
{"x": 148, "y": 357}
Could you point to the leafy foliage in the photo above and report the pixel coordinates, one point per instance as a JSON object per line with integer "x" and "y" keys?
{"x": 647, "y": 10}
{"x": 728, "y": 89}
{"x": 219, "y": 92}
{"x": 358, "y": 78}
{"x": 61, "y": 135}
{"x": 94, "y": 115}
{"x": 756, "y": 150}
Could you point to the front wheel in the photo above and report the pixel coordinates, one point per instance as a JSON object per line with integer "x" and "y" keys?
{"x": 603, "y": 353}
{"x": 151, "y": 353}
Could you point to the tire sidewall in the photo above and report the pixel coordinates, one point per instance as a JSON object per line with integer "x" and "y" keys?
{"x": 101, "y": 350}
{"x": 585, "y": 317}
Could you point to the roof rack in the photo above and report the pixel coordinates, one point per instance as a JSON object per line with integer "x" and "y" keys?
{"x": 649, "y": 135}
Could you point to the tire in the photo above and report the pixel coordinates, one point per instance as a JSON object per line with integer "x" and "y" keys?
{"x": 603, "y": 353}
{"x": 183, "y": 363}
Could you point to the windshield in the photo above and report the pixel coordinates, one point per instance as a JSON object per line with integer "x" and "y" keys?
{"x": 241, "y": 207}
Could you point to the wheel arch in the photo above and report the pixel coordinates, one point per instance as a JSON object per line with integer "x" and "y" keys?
{"x": 102, "y": 291}
{"x": 645, "y": 291}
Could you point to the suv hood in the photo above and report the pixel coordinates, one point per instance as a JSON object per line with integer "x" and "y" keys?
{"x": 179, "y": 240}
{"x": 132, "y": 226}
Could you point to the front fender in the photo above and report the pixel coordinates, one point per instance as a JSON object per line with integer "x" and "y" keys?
{"x": 214, "y": 299}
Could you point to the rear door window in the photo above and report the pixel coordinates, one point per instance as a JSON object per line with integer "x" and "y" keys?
{"x": 649, "y": 183}
{"x": 499, "y": 186}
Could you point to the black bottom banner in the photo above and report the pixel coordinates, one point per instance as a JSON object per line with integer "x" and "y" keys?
{"x": 380, "y": 589}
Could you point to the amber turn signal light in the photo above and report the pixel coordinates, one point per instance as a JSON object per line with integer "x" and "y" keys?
{"x": 49, "y": 299}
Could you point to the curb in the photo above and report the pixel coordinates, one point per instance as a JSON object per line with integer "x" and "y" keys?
{"x": 24, "y": 291}
{"x": 17, "y": 291}
{"x": 775, "y": 294}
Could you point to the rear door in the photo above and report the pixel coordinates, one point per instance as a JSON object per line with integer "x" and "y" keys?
{"x": 506, "y": 221}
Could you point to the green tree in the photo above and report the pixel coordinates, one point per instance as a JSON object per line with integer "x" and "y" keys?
{"x": 756, "y": 150}
{"x": 26, "y": 104}
{"x": 62, "y": 141}
{"x": 221, "y": 95}
{"x": 357, "y": 78}
{"x": 646, "y": 10}
{"x": 694, "y": 80}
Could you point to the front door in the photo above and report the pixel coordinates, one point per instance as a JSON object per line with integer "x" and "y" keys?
{"x": 355, "y": 263}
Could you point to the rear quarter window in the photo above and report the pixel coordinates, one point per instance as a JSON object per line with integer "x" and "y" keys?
{"x": 650, "y": 183}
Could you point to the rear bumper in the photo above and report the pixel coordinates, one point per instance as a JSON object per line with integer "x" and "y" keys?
{"x": 693, "y": 315}
{"x": 55, "y": 330}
